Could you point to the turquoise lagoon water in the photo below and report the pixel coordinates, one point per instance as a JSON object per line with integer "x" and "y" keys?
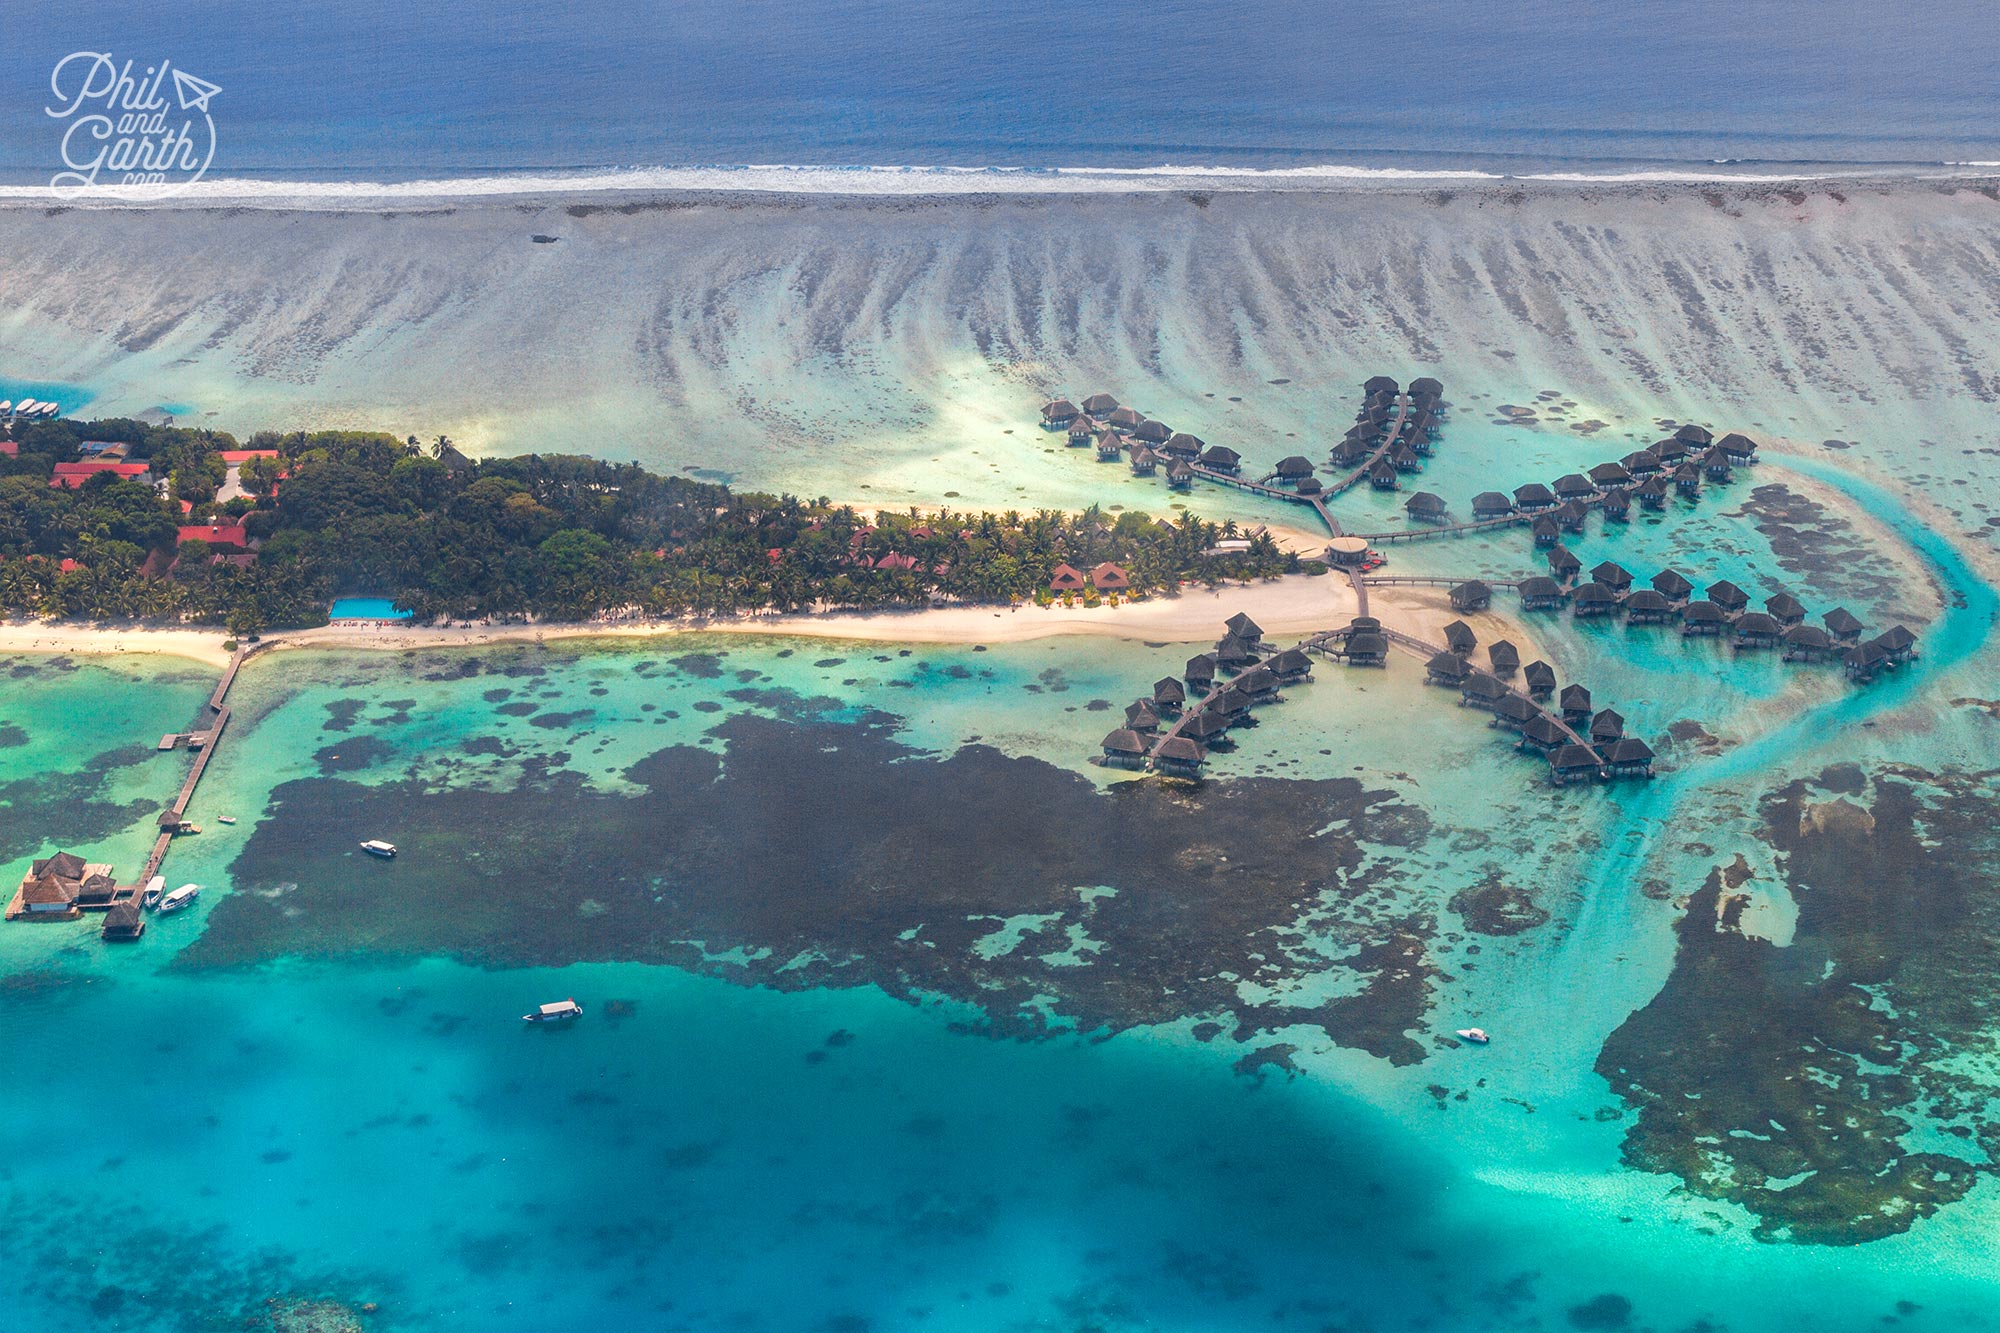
{"x": 722, "y": 1148}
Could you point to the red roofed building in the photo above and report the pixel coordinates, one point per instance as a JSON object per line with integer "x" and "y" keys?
{"x": 1066, "y": 578}
{"x": 10, "y": 448}
{"x": 72, "y": 475}
{"x": 1108, "y": 577}
{"x": 233, "y": 457}
{"x": 222, "y": 536}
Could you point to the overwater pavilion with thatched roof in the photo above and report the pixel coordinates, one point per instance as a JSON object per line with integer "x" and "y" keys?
{"x": 1446, "y": 669}
{"x": 1540, "y": 678}
{"x": 1572, "y": 763}
{"x": 1459, "y": 638}
{"x": 1179, "y": 757}
{"x": 1169, "y": 696}
{"x": 1511, "y": 710}
{"x": 1471, "y": 595}
{"x": 1124, "y": 748}
{"x": 1629, "y": 757}
{"x": 1491, "y": 504}
{"x": 1807, "y": 643}
{"x": 1504, "y": 657}
{"x": 1702, "y": 618}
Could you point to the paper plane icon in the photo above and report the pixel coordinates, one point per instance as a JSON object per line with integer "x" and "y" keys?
{"x": 194, "y": 93}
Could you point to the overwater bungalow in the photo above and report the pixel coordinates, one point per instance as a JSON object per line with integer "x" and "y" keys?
{"x": 1382, "y": 476}
{"x": 96, "y": 893}
{"x": 1641, "y": 463}
{"x": 1652, "y": 493}
{"x": 1671, "y": 453}
{"x": 1728, "y": 596}
{"x": 1367, "y": 648}
{"x": 1155, "y": 433}
{"x": 1179, "y": 757}
{"x": 1140, "y": 716}
{"x": 1233, "y": 706}
{"x": 1806, "y": 643}
{"x": 1349, "y": 454}
{"x": 1545, "y": 532}
{"x": 1210, "y": 727}
{"x": 1592, "y": 599}
{"x": 1540, "y": 593}
{"x": 1426, "y": 389}
{"x": 1183, "y": 445}
{"x": 123, "y": 922}
{"x": 1294, "y": 468}
{"x": 1291, "y": 666}
{"x": 1480, "y": 690}
{"x": 1234, "y": 655}
{"x": 1785, "y": 608}
{"x": 1100, "y": 405}
{"x": 1180, "y": 476}
{"x": 1865, "y": 660}
{"x": 1310, "y": 486}
{"x": 1200, "y": 673}
{"x": 1571, "y": 516}
{"x": 1059, "y": 413}
{"x": 1616, "y": 504}
{"x": 1420, "y": 432}
{"x": 1123, "y": 420}
{"x": 1534, "y": 498}
{"x": 1699, "y": 618}
{"x": 1572, "y": 763}
{"x": 1511, "y": 710}
{"x": 1648, "y": 606}
{"x": 1606, "y": 475}
{"x": 1687, "y": 479}
{"x": 1563, "y": 563}
{"x": 1471, "y": 595}
{"x": 1606, "y": 726}
{"x": 1425, "y": 507}
{"x": 1613, "y": 576}
{"x": 1715, "y": 466}
{"x": 1124, "y": 748}
{"x": 1377, "y": 386}
{"x": 1843, "y": 624}
{"x": 1244, "y": 628}
{"x": 1404, "y": 459}
{"x": 1459, "y": 638}
{"x": 1360, "y": 623}
{"x": 1575, "y": 705}
{"x": 1491, "y": 504}
{"x": 1738, "y": 448}
{"x": 1259, "y": 685}
{"x": 1628, "y": 758}
{"x": 1067, "y": 578}
{"x": 1696, "y": 436}
{"x": 1540, "y": 679}
{"x": 1110, "y": 446}
{"x": 1144, "y": 460}
{"x": 1673, "y": 585}
{"x": 1573, "y": 486}
{"x": 1221, "y": 458}
{"x": 1504, "y": 658}
{"x": 1446, "y": 669}
{"x": 1081, "y": 432}
{"x": 1898, "y": 642}
{"x": 1540, "y": 732}
{"x": 1169, "y": 696}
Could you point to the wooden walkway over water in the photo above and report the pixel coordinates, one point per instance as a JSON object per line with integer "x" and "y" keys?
{"x": 172, "y": 816}
{"x": 1318, "y": 503}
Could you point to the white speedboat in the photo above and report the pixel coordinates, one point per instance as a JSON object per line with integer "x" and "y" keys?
{"x": 376, "y": 847}
{"x": 225, "y": 819}
{"x": 1477, "y": 1036}
{"x": 180, "y": 899}
{"x": 562, "y": 1011}
{"x": 149, "y": 896}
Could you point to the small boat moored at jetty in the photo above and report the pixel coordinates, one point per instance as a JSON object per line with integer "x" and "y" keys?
{"x": 180, "y": 899}
{"x": 149, "y": 896}
{"x": 376, "y": 847}
{"x": 1477, "y": 1036}
{"x": 562, "y": 1011}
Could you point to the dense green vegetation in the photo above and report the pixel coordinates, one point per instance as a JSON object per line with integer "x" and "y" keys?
{"x": 555, "y": 537}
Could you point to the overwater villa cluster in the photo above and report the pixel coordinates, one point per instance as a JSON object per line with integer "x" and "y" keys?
{"x": 1221, "y": 690}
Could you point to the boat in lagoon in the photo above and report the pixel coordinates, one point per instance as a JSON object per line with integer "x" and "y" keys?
{"x": 1477, "y": 1036}
{"x": 376, "y": 847}
{"x": 225, "y": 819}
{"x": 562, "y": 1011}
{"x": 180, "y": 899}
{"x": 149, "y": 896}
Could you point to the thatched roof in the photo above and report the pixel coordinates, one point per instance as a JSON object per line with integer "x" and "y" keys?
{"x": 1167, "y": 690}
{"x": 1291, "y": 661}
{"x": 1612, "y": 575}
{"x": 1257, "y": 680}
{"x": 1066, "y": 578}
{"x": 1541, "y": 585}
{"x": 1365, "y": 622}
{"x": 1673, "y": 583}
{"x": 1649, "y": 600}
{"x": 1491, "y": 502}
{"x": 1124, "y": 741}
{"x": 1544, "y": 527}
{"x": 1108, "y": 577}
{"x": 1534, "y": 493}
{"x": 1737, "y": 445}
{"x": 1784, "y": 606}
{"x": 1099, "y": 403}
{"x": 1201, "y": 666}
{"x": 1694, "y": 435}
{"x": 1458, "y": 636}
{"x": 1205, "y": 724}
{"x": 1295, "y": 466}
{"x": 1368, "y": 643}
{"x": 1563, "y": 561}
{"x": 1059, "y": 409}
{"x": 1593, "y": 594}
{"x": 1610, "y": 474}
{"x": 1426, "y": 387}
{"x": 1574, "y": 484}
{"x": 1243, "y": 627}
{"x": 1125, "y": 418}
{"x": 1153, "y": 432}
{"x": 1727, "y": 595}
{"x": 1539, "y": 673}
{"x": 1183, "y": 443}
{"x": 1896, "y": 638}
{"x": 1542, "y": 730}
{"x": 1572, "y": 756}
{"x": 1425, "y": 502}
{"x": 1808, "y": 636}
{"x": 1700, "y": 610}
{"x": 1503, "y": 655}
{"x": 63, "y": 865}
{"x": 1608, "y": 725}
{"x": 1575, "y": 699}
{"x": 1842, "y": 621}
{"x": 1181, "y": 750}
{"x": 1378, "y": 384}
{"x": 1449, "y": 666}
{"x": 1140, "y": 716}
{"x": 1220, "y": 456}
{"x": 1514, "y": 708}
{"x": 1629, "y": 750}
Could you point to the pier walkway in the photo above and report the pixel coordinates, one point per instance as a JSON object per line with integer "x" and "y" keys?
{"x": 1471, "y": 525}
{"x": 1318, "y": 503}
{"x": 174, "y": 814}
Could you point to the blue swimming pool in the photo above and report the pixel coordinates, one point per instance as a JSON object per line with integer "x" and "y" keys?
{"x": 366, "y": 608}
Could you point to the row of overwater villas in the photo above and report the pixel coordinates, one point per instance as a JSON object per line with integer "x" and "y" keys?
{"x": 1397, "y": 429}
{"x": 1198, "y": 715}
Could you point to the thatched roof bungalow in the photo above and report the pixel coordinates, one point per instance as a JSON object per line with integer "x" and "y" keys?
{"x": 1296, "y": 467}
{"x": 1785, "y": 608}
{"x": 1382, "y": 476}
{"x": 1377, "y": 386}
{"x": 1738, "y": 448}
{"x": 1715, "y": 466}
{"x": 1259, "y": 685}
{"x": 1058, "y": 413}
{"x": 1140, "y": 716}
{"x": 1806, "y": 643}
{"x": 1100, "y": 404}
{"x": 1648, "y": 606}
{"x": 1610, "y": 474}
{"x": 1210, "y": 727}
{"x": 1843, "y": 624}
{"x": 1221, "y": 458}
{"x": 1459, "y": 638}
{"x": 1673, "y": 585}
{"x": 1629, "y": 757}
{"x": 1471, "y": 595}
{"x": 1533, "y": 498}
{"x": 1511, "y": 710}
{"x": 1124, "y": 748}
{"x": 1615, "y": 503}
{"x": 1367, "y": 647}
{"x": 1168, "y": 695}
{"x": 1652, "y": 493}
{"x": 1446, "y": 669}
{"x": 1592, "y": 599}
{"x": 1233, "y": 654}
{"x": 1081, "y": 432}
{"x": 1687, "y": 479}
{"x": 1612, "y": 575}
{"x": 1864, "y": 660}
{"x": 1480, "y": 690}
{"x": 1670, "y": 452}
{"x": 1699, "y": 618}
{"x": 1066, "y": 578}
{"x": 1179, "y": 757}
{"x": 1563, "y": 563}
{"x": 1155, "y": 433}
{"x": 1641, "y": 463}
{"x": 1540, "y": 679}
{"x": 1697, "y": 436}
{"x": 1572, "y": 763}
{"x": 1540, "y": 593}
{"x": 1491, "y": 504}
{"x": 1144, "y": 460}
{"x": 1607, "y": 725}
{"x": 1545, "y": 532}
{"x": 1183, "y": 445}
{"x": 1180, "y": 476}
{"x": 1504, "y": 657}
{"x": 1728, "y": 596}
{"x": 1898, "y": 642}
{"x": 1109, "y": 447}
{"x": 1200, "y": 673}
{"x": 1425, "y": 507}
{"x": 1571, "y": 516}
{"x": 1243, "y": 627}
{"x": 1540, "y": 732}
{"x": 1426, "y": 388}
{"x": 123, "y": 922}
{"x": 1573, "y": 486}
{"x": 1575, "y": 705}
{"x": 1291, "y": 666}
{"x": 1107, "y": 577}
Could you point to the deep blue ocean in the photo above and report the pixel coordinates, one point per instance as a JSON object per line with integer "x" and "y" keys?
{"x": 353, "y": 88}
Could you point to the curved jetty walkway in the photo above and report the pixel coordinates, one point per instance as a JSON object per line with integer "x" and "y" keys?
{"x": 1262, "y": 487}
